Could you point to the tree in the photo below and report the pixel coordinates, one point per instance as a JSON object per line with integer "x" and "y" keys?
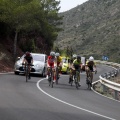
{"x": 39, "y": 17}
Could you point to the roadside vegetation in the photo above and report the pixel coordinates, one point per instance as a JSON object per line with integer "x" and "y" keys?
{"x": 31, "y": 25}
{"x": 92, "y": 28}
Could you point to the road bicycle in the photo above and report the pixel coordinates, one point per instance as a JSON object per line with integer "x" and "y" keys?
{"x": 77, "y": 77}
{"x": 51, "y": 76}
{"x": 89, "y": 78}
{"x": 27, "y": 68}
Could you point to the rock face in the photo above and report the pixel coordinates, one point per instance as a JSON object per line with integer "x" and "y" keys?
{"x": 92, "y": 29}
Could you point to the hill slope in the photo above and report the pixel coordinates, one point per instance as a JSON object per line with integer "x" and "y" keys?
{"x": 92, "y": 29}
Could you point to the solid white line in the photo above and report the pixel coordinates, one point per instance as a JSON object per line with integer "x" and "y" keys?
{"x": 6, "y": 73}
{"x": 69, "y": 103}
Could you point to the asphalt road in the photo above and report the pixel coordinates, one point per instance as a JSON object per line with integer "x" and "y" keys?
{"x": 35, "y": 100}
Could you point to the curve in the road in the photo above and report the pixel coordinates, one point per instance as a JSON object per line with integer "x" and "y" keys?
{"x": 38, "y": 83}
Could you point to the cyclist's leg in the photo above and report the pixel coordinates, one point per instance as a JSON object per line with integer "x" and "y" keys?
{"x": 48, "y": 72}
{"x": 91, "y": 73}
{"x": 91, "y": 76}
{"x": 54, "y": 74}
{"x": 59, "y": 71}
{"x": 87, "y": 75}
{"x": 29, "y": 69}
{"x": 71, "y": 75}
{"x": 87, "y": 72}
{"x": 78, "y": 76}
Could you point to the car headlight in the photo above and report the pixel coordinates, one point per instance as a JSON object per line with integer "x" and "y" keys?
{"x": 18, "y": 63}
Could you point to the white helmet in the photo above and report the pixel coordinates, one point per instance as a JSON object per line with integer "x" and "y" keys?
{"x": 57, "y": 54}
{"x": 74, "y": 56}
{"x": 52, "y": 53}
{"x": 91, "y": 58}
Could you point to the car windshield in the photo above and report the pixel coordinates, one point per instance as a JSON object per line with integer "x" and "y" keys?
{"x": 64, "y": 60}
{"x": 38, "y": 57}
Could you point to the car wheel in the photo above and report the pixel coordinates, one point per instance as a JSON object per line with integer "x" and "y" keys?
{"x": 16, "y": 73}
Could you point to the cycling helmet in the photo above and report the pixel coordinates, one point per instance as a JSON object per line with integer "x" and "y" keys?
{"x": 74, "y": 56}
{"x": 57, "y": 54}
{"x": 91, "y": 58}
{"x": 52, "y": 53}
{"x": 27, "y": 53}
{"x": 78, "y": 57}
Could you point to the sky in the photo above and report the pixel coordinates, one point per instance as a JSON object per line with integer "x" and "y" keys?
{"x": 69, "y": 4}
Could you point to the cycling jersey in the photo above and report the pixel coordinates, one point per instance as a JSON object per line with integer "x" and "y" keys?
{"x": 28, "y": 58}
{"x": 59, "y": 60}
{"x": 50, "y": 61}
{"x": 90, "y": 64}
{"x": 76, "y": 64}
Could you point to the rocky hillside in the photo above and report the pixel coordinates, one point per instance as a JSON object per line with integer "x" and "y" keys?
{"x": 6, "y": 55}
{"x": 92, "y": 29}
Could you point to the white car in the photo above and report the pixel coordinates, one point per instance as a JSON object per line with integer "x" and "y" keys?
{"x": 39, "y": 64}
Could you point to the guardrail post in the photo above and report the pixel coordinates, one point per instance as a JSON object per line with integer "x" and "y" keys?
{"x": 116, "y": 94}
{"x": 104, "y": 88}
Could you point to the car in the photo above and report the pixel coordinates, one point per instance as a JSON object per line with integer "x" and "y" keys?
{"x": 83, "y": 61}
{"x": 39, "y": 64}
{"x": 65, "y": 65}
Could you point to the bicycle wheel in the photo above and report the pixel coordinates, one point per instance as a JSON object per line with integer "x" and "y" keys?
{"x": 26, "y": 74}
{"x": 77, "y": 79}
{"x": 51, "y": 72}
{"x": 89, "y": 82}
{"x": 71, "y": 80}
{"x": 57, "y": 77}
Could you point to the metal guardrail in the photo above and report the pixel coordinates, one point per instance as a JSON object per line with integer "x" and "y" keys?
{"x": 107, "y": 80}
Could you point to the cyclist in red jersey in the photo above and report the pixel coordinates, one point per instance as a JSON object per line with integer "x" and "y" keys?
{"x": 51, "y": 63}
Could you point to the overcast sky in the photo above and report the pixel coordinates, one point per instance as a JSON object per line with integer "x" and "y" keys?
{"x": 69, "y": 4}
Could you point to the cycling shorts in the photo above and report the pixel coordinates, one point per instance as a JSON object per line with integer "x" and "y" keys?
{"x": 91, "y": 68}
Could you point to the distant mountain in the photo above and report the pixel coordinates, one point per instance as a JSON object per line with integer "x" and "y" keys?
{"x": 92, "y": 28}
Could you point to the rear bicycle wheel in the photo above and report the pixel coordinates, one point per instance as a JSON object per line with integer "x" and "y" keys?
{"x": 76, "y": 83}
{"x": 26, "y": 74}
{"x": 51, "y": 79}
{"x": 52, "y": 82}
{"x": 71, "y": 81}
{"x": 57, "y": 76}
{"x": 89, "y": 83}
{"x": 77, "y": 79}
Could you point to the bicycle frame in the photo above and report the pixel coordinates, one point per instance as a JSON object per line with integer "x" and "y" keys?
{"x": 57, "y": 74}
{"x": 50, "y": 77}
{"x": 89, "y": 79}
{"x": 27, "y": 70}
{"x": 77, "y": 78}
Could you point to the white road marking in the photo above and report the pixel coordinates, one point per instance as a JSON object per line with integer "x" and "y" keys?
{"x": 69, "y": 103}
{"x": 4, "y": 73}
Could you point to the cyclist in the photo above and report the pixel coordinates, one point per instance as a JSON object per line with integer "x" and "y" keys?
{"x": 51, "y": 63}
{"x": 58, "y": 62}
{"x": 90, "y": 66}
{"x": 77, "y": 66}
{"x": 28, "y": 59}
{"x": 71, "y": 67}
